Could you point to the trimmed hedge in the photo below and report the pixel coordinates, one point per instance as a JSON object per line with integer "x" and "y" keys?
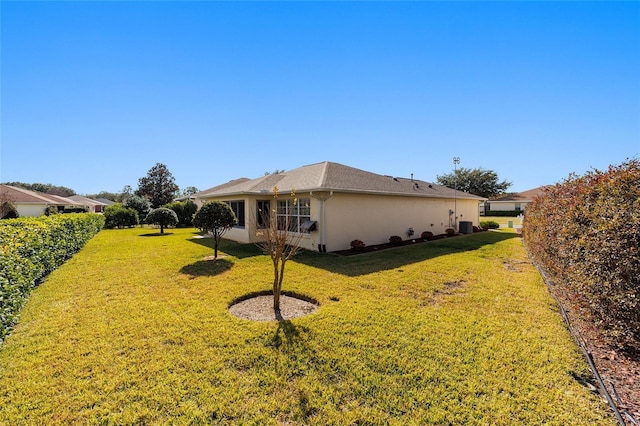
{"x": 30, "y": 248}
{"x": 585, "y": 233}
{"x": 503, "y": 213}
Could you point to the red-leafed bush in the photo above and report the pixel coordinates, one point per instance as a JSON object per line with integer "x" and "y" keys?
{"x": 395, "y": 240}
{"x": 585, "y": 232}
{"x": 427, "y": 235}
{"x": 357, "y": 245}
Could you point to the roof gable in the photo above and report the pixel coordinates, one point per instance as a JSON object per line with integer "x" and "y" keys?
{"x": 328, "y": 176}
{"x": 25, "y": 196}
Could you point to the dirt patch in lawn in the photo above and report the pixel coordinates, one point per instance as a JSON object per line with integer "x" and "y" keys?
{"x": 259, "y": 307}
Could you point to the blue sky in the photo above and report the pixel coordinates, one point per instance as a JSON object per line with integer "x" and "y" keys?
{"x": 93, "y": 94}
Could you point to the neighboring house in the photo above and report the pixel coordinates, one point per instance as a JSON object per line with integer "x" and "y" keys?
{"x": 31, "y": 203}
{"x": 93, "y": 206}
{"x": 106, "y": 201}
{"x": 514, "y": 202}
{"x": 332, "y": 205}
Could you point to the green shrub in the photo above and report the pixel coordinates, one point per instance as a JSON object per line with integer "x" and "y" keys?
{"x": 489, "y": 224}
{"x": 119, "y": 216}
{"x": 585, "y": 232}
{"x": 504, "y": 213}
{"x": 184, "y": 210}
{"x": 76, "y": 210}
{"x": 30, "y": 248}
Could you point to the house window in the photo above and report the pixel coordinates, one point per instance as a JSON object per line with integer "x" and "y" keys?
{"x": 263, "y": 213}
{"x": 292, "y": 213}
{"x": 238, "y": 210}
{"x": 518, "y": 207}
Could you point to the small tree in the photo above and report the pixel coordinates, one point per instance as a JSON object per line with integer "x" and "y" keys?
{"x": 162, "y": 217}
{"x": 282, "y": 242}
{"x": 215, "y": 218}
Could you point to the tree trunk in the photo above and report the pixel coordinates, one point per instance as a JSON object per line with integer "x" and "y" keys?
{"x": 162, "y": 229}
{"x": 277, "y": 285}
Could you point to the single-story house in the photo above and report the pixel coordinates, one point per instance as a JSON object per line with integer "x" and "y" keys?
{"x": 93, "y": 206}
{"x": 332, "y": 204}
{"x": 31, "y": 203}
{"x": 513, "y": 202}
{"x": 106, "y": 201}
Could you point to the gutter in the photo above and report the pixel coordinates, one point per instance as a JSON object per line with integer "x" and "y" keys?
{"x": 322, "y": 244}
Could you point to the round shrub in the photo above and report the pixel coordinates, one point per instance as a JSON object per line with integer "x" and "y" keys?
{"x": 118, "y": 216}
{"x": 357, "y": 245}
{"x": 162, "y": 217}
{"x": 489, "y": 224}
{"x": 426, "y": 235}
{"x": 395, "y": 240}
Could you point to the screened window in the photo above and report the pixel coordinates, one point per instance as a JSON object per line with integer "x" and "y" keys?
{"x": 238, "y": 210}
{"x": 263, "y": 213}
{"x": 292, "y": 213}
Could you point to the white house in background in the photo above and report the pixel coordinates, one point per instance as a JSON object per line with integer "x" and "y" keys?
{"x": 516, "y": 201}
{"x": 332, "y": 204}
{"x": 31, "y": 203}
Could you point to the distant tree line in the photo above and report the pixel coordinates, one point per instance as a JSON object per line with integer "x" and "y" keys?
{"x": 45, "y": 188}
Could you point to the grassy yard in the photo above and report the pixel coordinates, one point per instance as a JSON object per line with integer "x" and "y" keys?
{"x": 134, "y": 329}
{"x": 502, "y": 220}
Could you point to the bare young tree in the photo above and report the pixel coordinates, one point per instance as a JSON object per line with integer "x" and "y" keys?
{"x": 281, "y": 243}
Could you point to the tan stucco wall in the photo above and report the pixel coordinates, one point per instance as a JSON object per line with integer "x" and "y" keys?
{"x": 373, "y": 219}
{"x": 370, "y": 218}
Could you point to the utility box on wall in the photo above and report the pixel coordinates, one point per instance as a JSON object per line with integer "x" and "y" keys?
{"x": 466, "y": 227}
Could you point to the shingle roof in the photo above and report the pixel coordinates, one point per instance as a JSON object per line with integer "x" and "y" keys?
{"x": 328, "y": 176}
{"x": 521, "y": 196}
{"x": 86, "y": 201}
{"x": 24, "y": 196}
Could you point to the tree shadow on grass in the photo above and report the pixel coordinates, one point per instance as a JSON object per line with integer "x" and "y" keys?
{"x": 207, "y": 268}
{"x": 229, "y": 247}
{"x": 156, "y": 234}
{"x": 397, "y": 257}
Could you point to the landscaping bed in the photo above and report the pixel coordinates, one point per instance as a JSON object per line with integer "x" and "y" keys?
{"x": 383, "y": 246}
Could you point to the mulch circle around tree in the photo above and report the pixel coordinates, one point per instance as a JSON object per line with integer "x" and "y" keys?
{"x": 259, "y": 307}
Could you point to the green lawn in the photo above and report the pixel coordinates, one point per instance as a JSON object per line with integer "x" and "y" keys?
{"x": 502, "y": 220}
{"x": 134, "y": 329}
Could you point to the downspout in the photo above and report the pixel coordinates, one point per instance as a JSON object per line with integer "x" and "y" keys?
{"x": 322, "y": 244}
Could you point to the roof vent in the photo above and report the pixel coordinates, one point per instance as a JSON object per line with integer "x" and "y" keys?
{"x": 430, "y": 186}
{"x": 396, "y": 179}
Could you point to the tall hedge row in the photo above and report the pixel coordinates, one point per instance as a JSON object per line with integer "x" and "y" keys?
{"x": 586, "y": 233}
{"x": 30, "y": 248}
